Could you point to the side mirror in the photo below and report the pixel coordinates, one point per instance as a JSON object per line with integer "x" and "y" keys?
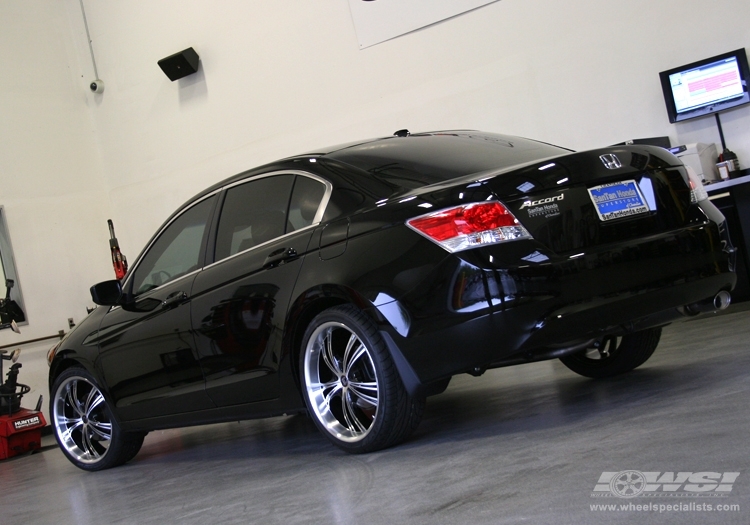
{"x": 107, "y": 293}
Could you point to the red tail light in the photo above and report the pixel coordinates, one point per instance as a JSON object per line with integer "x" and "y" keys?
{"x": 469, "y": 226}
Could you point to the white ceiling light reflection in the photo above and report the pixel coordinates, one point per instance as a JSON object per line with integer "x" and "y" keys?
{"x": 536, "y": 257}
{"x": 526, "y": 187}
{"x": 647, "y": 189}
{"x": 393, "y": 312}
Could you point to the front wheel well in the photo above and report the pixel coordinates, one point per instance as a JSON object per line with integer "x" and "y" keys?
{"x": 60, "y": 365}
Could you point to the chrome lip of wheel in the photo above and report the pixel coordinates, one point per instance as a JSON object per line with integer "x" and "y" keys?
{"x": 341, "y": 382}
{"x": 80, "y": 420}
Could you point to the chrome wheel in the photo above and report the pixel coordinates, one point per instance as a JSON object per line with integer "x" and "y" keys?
{"x": 341, "y": 381}
{"x": 351, "y": 385}
{"x": 602, "y": 348}
{"x": 81, "y": 420}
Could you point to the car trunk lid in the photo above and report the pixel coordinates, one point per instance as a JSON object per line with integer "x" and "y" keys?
{"x": 597, "y": 197}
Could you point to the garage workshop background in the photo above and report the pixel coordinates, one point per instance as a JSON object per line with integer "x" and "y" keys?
{"x": 285, "y": 77}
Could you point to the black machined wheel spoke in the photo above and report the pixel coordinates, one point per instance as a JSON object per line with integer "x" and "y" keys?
{"x": 358, "y": 353}
{"x": 352, "y": 421}
{"x": 328, "y": 358}
{"x": 317, "y": 387}
{"x": 94, "y": 400}
{"x": 608, "y": 347}
{"x": 71, "y": 396}
{"x": 70, "y": 422}
{"x": 103, "y": 430}
{"x": 347, "y": 352}
{"x": 68, "y": 432}
{"x": 88, "y": 445}
{"x": 333, "y": 389}
{"x": 366, "y": 391}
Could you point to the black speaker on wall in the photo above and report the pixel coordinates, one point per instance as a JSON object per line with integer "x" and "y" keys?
{"x": 180, "y": 64}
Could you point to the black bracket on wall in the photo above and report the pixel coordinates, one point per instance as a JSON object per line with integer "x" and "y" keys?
{"x": 180, "y": 64}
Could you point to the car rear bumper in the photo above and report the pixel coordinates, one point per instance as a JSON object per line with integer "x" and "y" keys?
{"x": 471, "y": 314}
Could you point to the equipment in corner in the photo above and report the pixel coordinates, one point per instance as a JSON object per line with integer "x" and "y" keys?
{"x": 180, "y": 64}
{"x": 20, "y": 428}
{"x": 708, "y": 87}
{"x": 10, "y": 312}
{"x": 119, "y": 261}
{"x": 662, "y": 142}
{"x": 701, "y": 157}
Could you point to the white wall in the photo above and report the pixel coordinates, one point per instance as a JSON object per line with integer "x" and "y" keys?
{"x": 51, "y": 177}
{"x": 283, "y": 77}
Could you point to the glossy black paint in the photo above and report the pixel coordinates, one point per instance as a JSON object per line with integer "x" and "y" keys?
{"x": 239, "y": 321}
{"x": 222, "y": 342}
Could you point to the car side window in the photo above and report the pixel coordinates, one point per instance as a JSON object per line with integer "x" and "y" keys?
{"x": 176, "y": 252}
{"x": 253, "y": 213}
{"x": 305, "y": 201}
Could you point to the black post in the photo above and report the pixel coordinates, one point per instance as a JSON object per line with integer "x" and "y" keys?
{"x": 721, "y": 132}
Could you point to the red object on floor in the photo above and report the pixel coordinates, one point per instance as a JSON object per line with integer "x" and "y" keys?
{"x": 20, "y": 432}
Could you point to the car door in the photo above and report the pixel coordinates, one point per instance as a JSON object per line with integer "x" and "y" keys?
{"x": 240, "y": 301}
{"x": 147, "y": 350}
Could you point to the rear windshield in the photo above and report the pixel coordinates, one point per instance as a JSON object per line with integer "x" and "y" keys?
{"x": 419, "y": 160}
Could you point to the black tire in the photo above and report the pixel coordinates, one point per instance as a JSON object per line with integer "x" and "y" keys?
{"x": 84, "y": 426}
{"x": 614, "y": 355}
{"x": 351, "y": 386}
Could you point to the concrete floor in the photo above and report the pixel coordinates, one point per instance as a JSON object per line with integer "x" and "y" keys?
{"x": 518, "y": 445}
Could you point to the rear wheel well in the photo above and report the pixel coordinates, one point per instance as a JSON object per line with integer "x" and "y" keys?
{"x": 300, "y": 326}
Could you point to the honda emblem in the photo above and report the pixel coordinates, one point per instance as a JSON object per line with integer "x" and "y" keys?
{"x": 610, "y": 161}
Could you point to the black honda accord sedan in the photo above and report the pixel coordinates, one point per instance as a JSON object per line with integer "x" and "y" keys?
{"x": 353, "y": 282}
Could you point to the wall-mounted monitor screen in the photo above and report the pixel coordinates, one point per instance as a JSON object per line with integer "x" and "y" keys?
{"x": 705, "y": 87}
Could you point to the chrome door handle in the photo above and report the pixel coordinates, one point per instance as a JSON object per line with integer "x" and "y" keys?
{"x": 276, "y": 257}
{"x": 174, "y": 299}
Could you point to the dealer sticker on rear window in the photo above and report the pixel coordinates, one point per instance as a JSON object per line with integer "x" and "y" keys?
{"x": 618, "y": 199}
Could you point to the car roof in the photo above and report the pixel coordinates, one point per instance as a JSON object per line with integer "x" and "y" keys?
{"x": 408, "y": 161}
{"x": 414, "y": 160}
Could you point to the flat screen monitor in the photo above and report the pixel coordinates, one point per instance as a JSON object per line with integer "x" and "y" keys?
{"x": 705, "y": 87}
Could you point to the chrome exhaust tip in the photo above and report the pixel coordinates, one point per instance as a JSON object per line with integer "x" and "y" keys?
{"x": 720, "y": 301}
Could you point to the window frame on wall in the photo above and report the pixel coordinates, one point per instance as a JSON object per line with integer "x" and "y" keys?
{"x": 8, "y": 268}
